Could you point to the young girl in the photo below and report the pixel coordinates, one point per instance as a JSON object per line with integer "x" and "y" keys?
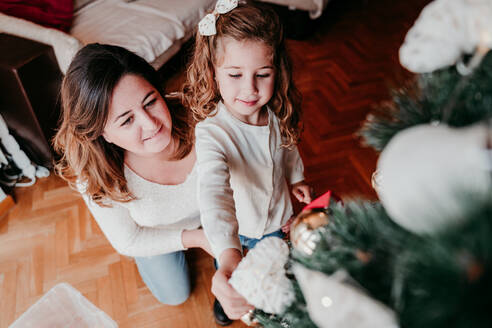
{"x": 240, "y": 90}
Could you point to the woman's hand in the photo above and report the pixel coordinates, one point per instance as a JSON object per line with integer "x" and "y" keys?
{"x": 196, "y": 238}
{"x": 302, "y": 192}
{"x": 234, "y": 305}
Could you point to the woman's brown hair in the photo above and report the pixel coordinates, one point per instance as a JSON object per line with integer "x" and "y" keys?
{"x": 247, "y": 22}
{"x": 86, "y": 158}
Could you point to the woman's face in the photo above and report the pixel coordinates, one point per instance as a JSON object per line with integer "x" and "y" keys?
{"x": 138, "y": 118}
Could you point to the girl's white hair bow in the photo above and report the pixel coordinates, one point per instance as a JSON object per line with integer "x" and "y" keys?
{"x": 206, "y": 26}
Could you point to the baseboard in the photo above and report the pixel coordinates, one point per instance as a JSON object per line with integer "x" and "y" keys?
{"x": 5, "y": 206}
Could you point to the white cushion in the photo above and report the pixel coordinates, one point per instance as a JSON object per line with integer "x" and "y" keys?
{"x": 146, "y": 27}
{"x": 186, "y": 12}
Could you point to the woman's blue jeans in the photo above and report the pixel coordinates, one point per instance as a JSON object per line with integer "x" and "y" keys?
{"x": 166, "y": 276}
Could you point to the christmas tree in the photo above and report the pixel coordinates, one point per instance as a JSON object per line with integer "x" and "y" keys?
{"x": 422, "y": 256}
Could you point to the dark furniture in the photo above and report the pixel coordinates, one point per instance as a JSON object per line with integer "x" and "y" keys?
{"x": 29, "y": 92}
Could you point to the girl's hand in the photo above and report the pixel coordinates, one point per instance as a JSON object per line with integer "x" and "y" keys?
{"x": 234, "y": 305}
{"x": 286, "y": 226}
{"x": 196, "y": 238}
{"x": 302, "y": 192}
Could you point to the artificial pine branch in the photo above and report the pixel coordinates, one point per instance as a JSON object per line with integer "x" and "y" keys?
{"x": 441, "y": 96}
{"x": 446, "y": 280}
{"x": 437, "y": 280}
{"x": 295, "y": 316}
{"x": 363, "y": 240}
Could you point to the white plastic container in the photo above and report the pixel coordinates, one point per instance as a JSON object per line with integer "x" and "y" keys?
{"x": 62, "y": 307}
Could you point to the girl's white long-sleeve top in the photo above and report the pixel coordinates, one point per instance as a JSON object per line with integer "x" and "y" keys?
{"x": 243, "y": 176}
{"x": 153, "y": 223}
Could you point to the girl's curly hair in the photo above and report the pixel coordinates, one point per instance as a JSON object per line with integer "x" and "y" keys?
{"x": 248, "y": 22}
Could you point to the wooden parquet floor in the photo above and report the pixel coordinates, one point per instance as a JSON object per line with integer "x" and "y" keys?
{"x": 342, "y": 70}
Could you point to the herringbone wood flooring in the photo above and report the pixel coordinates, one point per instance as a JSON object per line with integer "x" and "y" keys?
{"x": 342, "y": 70}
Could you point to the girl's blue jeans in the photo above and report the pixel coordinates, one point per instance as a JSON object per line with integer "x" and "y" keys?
{"x": 167, "y": 276}
{"x": 250, "y": 243}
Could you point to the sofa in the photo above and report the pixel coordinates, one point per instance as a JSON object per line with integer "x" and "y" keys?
{"x": 154, "y": 29}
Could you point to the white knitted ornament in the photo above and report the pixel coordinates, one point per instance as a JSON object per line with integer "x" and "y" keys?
{"x": 260, "y": 276}
{"x": 444, "y": 31}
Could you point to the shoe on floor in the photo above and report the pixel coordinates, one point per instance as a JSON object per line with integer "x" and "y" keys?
{"x": 220, "y": 317}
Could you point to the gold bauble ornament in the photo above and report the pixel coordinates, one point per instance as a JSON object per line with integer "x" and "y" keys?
{"x": 303, "y": 236}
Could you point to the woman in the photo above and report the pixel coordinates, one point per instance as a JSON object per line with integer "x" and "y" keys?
{"x": 130, "y": 152}
{"x": 133, "y": 160}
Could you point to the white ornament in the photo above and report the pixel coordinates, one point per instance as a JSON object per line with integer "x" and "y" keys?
{"x": 206, "y": 26}
{"x": 427, "y": 171}
{"x": 260, "y": 276}
{"x": 444, "y": 31}
{"x": 334, "y": 303}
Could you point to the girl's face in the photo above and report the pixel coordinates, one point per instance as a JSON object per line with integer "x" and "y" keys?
{"x": 138, "y": 119}
{"x": 246, "y": 77}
